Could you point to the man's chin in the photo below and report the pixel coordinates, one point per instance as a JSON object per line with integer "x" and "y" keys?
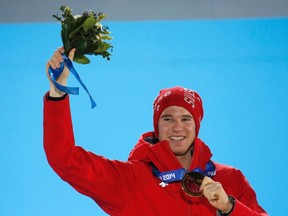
{"x": 180, "y": 150}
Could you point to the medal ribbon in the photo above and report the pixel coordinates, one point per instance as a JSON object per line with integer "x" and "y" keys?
{"x": 55, "y": 73}
{"x": 177, "y": 175}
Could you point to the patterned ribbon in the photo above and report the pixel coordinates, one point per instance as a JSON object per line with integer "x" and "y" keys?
{"x": 177, "y": 175}
{"x": 55, "y": 73}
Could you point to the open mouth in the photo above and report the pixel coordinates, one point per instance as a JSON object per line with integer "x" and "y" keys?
{"x": 177, "y": 138}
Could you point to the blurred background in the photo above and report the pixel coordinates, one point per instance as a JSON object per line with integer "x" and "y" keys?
{"x": 233, "y": 53}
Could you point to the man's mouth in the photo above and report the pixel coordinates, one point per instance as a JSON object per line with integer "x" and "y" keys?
{"x": 177, "y": 138}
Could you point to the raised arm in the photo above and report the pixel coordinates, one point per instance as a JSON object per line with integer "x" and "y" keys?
{"x": 90, "y": 174}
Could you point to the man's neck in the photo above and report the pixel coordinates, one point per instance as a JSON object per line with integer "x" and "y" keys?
{"x": 185, "y": 160}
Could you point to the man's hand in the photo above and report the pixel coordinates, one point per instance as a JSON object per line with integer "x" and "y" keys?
{"x": 216, "y": 195}
{"x": 54, "y": 63}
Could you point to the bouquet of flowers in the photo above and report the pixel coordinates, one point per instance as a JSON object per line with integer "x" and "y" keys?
{"x": 85, "y": 33}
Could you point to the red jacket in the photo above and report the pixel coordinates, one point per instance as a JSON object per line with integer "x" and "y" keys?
{"x": 130, "y": 188}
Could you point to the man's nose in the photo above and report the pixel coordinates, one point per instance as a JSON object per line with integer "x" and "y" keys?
{"x": 177, "y": 126}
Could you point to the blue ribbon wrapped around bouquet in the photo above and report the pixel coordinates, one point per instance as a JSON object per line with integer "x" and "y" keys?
{"x": 55, "y": 73}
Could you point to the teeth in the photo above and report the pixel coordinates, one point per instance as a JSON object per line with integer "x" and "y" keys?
{"x": 177, "y": 138}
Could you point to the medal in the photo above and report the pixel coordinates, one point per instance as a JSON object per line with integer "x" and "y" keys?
{"x": 191, "y": 183}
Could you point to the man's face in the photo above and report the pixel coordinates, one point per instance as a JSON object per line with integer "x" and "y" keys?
{"x": 177, "y": 125}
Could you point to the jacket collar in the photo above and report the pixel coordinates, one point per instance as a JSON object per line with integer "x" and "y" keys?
{"x": 159, "y": 153}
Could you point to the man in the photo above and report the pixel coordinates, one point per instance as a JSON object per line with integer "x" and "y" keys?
{"x": 164, "y": 174}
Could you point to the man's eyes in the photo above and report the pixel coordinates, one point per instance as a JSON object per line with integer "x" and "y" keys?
{"x": 171, "y": 119}
{"x": 186, "y": 119}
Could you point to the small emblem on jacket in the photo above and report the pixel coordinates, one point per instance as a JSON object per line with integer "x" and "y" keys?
{"x": 163, "y": 184}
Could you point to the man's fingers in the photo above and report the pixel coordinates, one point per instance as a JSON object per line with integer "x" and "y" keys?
{"x": 61, "y": 49}
{"x": 215, "y": 194}
{"x": 56, "y": 59}
{"x": 211, "y": 194}
{"x": 210, "y": 189}
{"x": 205, "y": 182}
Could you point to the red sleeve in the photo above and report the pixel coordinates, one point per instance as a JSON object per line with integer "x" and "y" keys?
{"x": 88, "y": 173}
{"x": 235, "y": 184}
{"x": 246, "y": 203}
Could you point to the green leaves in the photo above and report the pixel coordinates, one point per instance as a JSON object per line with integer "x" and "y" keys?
{"x": 89, "y": 23}
{"x": 81, "y": 59}
{"x": 85, "y": 33}
{"x": 80, "y": 44}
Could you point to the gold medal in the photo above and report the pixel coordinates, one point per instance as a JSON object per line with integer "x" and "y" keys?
{"x": 191, "y": 183}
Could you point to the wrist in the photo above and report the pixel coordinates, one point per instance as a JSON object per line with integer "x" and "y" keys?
{"x": 50, "y": 98}
{"x": 54, "y": 92}
{"x": 230, "y": 208}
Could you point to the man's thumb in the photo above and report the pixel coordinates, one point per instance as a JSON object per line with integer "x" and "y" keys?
{"x": 71, "y": 54}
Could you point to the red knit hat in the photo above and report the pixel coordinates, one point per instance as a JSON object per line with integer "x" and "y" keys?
{"x": 178, "y": 96}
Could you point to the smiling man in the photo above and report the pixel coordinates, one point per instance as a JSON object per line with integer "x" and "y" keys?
{"x": 175, "y": 123}
{"x": 170, "y": 171}
{"x": 177, "y": 126}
